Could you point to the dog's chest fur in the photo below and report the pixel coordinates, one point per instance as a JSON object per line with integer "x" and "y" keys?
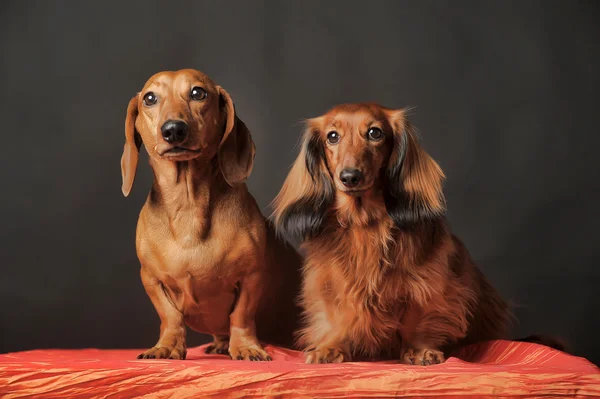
{"x": 196, "y": 263}
{"x": 354, "y": 272}
{"x": 375, "y": 277}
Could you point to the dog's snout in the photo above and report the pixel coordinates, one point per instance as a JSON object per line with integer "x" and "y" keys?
{"x": 351, "y": 177}
{"x": 174, "y": 131}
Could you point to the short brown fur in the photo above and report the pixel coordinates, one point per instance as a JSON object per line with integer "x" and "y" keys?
{"x": 384, "y": 276}
{"x": 208, "y": 258}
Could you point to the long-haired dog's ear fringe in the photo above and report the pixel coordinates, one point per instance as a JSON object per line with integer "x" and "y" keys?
{"x": 315, "y": 156}
{"x": 413, "y": 181}
{"x": 307, "y": 193}
{"x": 304, "y": 219}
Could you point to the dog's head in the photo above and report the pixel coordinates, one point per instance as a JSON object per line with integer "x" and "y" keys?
{"x": 183, "y": 115}
{"x": 355, "y": 150}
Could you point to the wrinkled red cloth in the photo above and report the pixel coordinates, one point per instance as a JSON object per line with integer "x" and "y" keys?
{"x": 492, "y": 369}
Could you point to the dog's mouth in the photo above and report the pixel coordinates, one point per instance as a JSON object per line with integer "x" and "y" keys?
{"x": 356, "y": 192}
{"x": 176, "y": 152}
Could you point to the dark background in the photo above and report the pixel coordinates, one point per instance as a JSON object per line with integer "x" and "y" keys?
{"x": 507, "y": 103}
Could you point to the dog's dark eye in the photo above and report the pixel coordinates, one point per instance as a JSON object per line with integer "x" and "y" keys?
{"x": 150, "y": 99}
{"x": 333, "y": 137}
{"x": 375, "y": 134}
{"x": 198, "y": 93}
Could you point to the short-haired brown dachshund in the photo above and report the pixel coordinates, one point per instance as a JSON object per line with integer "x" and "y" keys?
{"x": 208, "y": 257}
{"x": 384, "y": 276}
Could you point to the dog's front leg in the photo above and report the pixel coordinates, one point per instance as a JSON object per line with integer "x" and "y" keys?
{"x": 243, "y": 343}
{"x": 423, "y": 334}
{"x": 325, "y": 342}
{"x": 171, "y": 344}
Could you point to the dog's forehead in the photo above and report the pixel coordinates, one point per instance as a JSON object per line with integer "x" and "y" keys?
{"x": 183, "y": 77}
{"x": 353, "y": 116}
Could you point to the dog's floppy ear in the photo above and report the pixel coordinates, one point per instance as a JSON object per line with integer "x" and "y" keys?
{"x": 413, "y": 179}
{"x": 301, "y": 206}
{"x": 237, "y": 150}
{"x": 133, "y": 141}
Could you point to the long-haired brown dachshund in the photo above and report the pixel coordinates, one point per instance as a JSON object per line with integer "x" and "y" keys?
{"x": 384, "y": 276}
{"x": 208, "y": 258}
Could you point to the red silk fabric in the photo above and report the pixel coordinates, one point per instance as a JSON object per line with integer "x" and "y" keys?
{"x": 492, "y": 369}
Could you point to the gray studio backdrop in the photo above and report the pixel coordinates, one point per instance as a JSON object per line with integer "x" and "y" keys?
{"x": 507, "y": 102}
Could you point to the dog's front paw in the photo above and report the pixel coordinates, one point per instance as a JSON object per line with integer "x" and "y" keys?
{"x": 250, "y": 352}
{"x": 217, "y": 349}
{"x": 424, "y": 357}
{"x": 163, "y": 352}
{"x": 326, "y": 355}
{"x": 220, "y": 346}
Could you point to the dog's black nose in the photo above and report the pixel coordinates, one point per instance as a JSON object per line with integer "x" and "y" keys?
{"x": 174, "y": 131}
{"x": 351, "y": 177}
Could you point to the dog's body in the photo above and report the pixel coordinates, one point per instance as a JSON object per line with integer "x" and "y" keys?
{"x": 419, "y": 301}
{"x": 384, "y": 276}
{"x": 208, "y": 257}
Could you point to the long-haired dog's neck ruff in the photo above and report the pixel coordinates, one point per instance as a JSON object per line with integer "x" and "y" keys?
{"x": 362, "y": 211}
{"x": 359, "y": 225}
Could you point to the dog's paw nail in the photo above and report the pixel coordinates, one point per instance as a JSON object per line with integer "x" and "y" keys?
{"x": 240, "y": 357}
{"x": 269, "y": 358}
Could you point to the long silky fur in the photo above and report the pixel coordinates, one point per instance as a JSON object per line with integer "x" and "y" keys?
{"x": 384, "y": 271}
{"x": 311, "y": 188}
{"x": 405, "y": 209}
